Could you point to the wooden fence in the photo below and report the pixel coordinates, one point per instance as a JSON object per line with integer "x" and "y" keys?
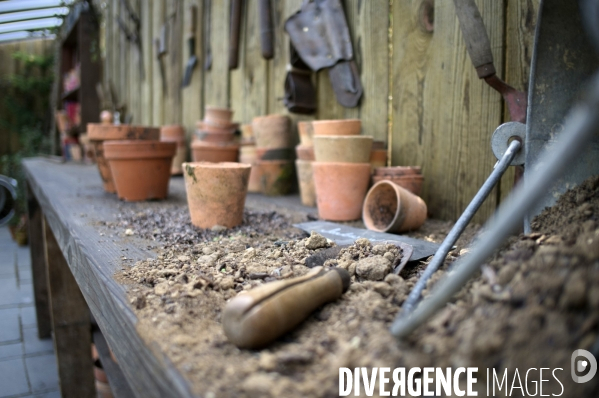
{"x": 421, "y": 93}
{"x": 9, "y": 140}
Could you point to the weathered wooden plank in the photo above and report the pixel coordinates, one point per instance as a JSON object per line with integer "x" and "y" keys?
{"x": 459, "y": 111}
{"x": 38, "y": 266}
{"x": 174, "y": 62}
{"x": 116, "y": 53}
{"x": 217, "y": 78}
{"x": 192, "y": 95}
{"x": 371, "y": 49}
{"x": 147, "y": 44}
{"x": 158, "y": 12}
{"x": 521, "y": 18}
{"x": 70, "y": 323}
{"x": 135, "y": 56}
{"x": 238, "y": 77}
{"x": 93, "y": 260}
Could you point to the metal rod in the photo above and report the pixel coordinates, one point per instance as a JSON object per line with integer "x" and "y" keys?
{"x": 579, "y": 127}
{"x": 460, "y": 226}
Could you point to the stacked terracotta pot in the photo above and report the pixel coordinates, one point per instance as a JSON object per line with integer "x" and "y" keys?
{"x": 408, "y": 177}
{"x": 132, "y": 161}
{"x": 274, "y": 153}
{"x": 341, "y": 169}
{"x": 176, "y": 133}
{"x": 303, "y": 165}
{"x": 215, "y": 137}
{"x": 247, "y": 154}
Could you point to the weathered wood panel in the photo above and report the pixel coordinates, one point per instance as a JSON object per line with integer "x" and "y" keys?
{"x": 421, "y": 93}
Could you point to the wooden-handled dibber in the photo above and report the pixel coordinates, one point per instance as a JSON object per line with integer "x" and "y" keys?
{"x": 258, "y": 317}
{"x": 479, "y": 49}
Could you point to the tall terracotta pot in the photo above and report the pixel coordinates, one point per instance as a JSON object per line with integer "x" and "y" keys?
{"x": 306, "y": 133}
{"x": 175, "y": 133}
{"x": 98, "y": 133}
{"x": 305, "y": 182}
{"x": 140, "y": 169}
{"x": 337, "y": 127}
{"x": 276, "y": 176}
{"x": 391, "y": 208}
{"x": 216, "y": 193}
{"x": 340, "y": 189}
{"x": 272, "y": 131}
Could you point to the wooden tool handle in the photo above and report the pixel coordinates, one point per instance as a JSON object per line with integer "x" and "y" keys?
{"x": 475, "y": 35}
{"x": 192, "y": 21}
{"x": 235, "y": 30}
{"x": 266, "y": 29}
{"x": 256, "y": 318}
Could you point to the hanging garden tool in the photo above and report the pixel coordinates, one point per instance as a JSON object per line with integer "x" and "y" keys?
{"x": 320, "y": 34}
{"x": 235, "y": 31}
{"x": 266, "y": 29}
{"x": 479, "y": 49}
{"x": 207, "y": 49}
{"x": 191, "y": 42}
{"x": 258, "y": 317}
{"x": 160, "y": 45}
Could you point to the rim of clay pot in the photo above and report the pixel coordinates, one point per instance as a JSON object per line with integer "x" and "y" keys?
{"x": 213, "y": 128}
{"x": 205, "y": 136}
{"x": 397, "y": 223}
{"x": 398, "y": 170}
{"x": 215, "y": 145}
{"x": 223, "y": 124}
{"x": 172, "y": 131}
{"x": 212, "y": 165}
{"x": 138, "y": 149}
{"x": 335, "y": 148}
{"x": 218, "y": 113}
{"x": 106, "y": 132}
{"x": 337, "y": 127}
{"x": 304, "y": 152}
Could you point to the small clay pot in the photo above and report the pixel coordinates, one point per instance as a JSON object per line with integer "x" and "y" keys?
{"x": 272, "y": 131}
{"x": 306, "y": 132}
{"x": 214, "y": 151}
{"x": 207, "y": 136}
{"x": 391, "y": 208}
{"x": 276, "y": 176}
{"x": 340, "y": 189}
{"x": 140, "y": 169}
{"x": 397, "y": 170}
{"x": 176, "y": 134}
{"x": 378, "y": 144}
{"x": 306, "y": 182}
{"x": 274, "y": 153}
{"x": 216, "y": 114}
{"x": 412, "y": 183}
{"x": 216, "y": 193}
{"x": 337, "y": 127}
{"x": 222, "y": 124}
{"x": 346, "y": 149}
{"x": 98, "y": 133}
{"x": 304, "y": 152}
{"x": 378, "y": 158}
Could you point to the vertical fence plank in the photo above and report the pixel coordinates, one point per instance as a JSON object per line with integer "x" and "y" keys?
{"x": 147, "y": 44}
{"x": 217, "y": 78}
{"x": 158, "y": 12}
{"x": 238, "y": 77}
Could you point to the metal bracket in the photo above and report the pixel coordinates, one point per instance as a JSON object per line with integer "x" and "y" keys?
{"x": 503, "y": 135}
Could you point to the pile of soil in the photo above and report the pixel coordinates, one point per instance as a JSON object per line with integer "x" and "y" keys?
{"x": 532, "y": 305}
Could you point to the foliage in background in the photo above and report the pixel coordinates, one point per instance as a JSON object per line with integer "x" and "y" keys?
{"x": 25, "y": 112}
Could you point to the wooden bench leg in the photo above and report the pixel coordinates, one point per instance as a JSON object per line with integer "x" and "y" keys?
{"x": 70, "y": 323}
{"x": 38, "y": 266}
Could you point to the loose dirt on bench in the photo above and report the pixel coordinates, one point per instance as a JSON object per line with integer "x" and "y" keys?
{"x": 532, "y": 305}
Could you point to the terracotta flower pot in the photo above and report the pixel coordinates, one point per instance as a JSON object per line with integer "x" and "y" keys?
{"x": 214, "y": 151}
{"x": 378, "y": 158}
{"x": 276, "y": 176}
{"x": 272, "y": 131}
{"x": 246, "y": 131}
{"x": 206, "y": 136}
{"x": 378, "y": 144}
{"x": 98, "y": 133}
{"x": 141, "y": 169}
{"x": 274, "y": 153}
{"x": 337, "y": 127}
{"x": 248, "y": 151}
{"x": 305, "y": 182}
{"x": 340, "y": 189}
{"x": 247, "y": 154}
{"x": 306, "y": 132}
{"x": 216, "y": 114}
{"x": 176, "y": 134}
{"x": 216, "y": 193}
{"x": 347, "y": 149}
{"x": 391, "y": 208}
{"x": 304, "y": 152}
{"x": 397, "y": 170}
{"x": 412, "y": 183}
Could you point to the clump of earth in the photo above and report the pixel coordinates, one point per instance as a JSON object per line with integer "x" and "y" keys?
{"x": 532, "y": 305}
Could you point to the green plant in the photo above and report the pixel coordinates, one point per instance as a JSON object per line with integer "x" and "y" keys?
{"x": 25, "y": 118}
